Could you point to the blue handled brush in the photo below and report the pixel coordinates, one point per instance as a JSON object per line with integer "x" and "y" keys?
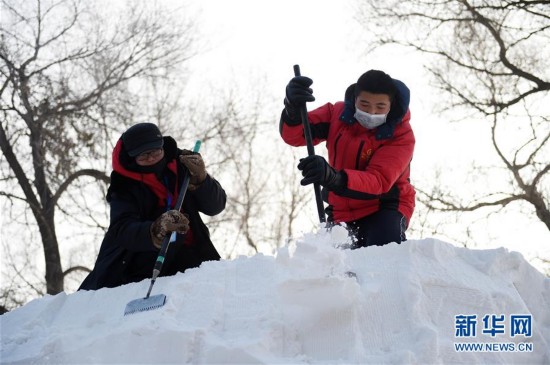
{"x": 157, "y": 301}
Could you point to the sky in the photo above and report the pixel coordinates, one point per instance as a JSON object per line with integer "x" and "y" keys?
{"x": 420, "y": 302}
{"x": 248, "y": 41}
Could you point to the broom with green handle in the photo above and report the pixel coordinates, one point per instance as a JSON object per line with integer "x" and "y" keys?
{"x": 157, "y": 301}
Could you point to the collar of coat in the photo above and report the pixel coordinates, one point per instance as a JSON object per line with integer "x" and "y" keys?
{"x": 398, "y": 109}
{"x": 121, "y": 162}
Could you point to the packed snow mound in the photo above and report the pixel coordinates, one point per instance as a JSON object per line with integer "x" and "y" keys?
{"x": 311, "y": 303}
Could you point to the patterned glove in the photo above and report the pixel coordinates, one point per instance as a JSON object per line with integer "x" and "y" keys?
{"x": 171, "y": 221}
{"x": 195, "y": 164}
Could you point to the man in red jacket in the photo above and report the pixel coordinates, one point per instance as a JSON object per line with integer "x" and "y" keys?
{"x": 370, "y": 146}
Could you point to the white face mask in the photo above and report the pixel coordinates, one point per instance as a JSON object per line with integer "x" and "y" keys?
{"x": 369, "y": 121}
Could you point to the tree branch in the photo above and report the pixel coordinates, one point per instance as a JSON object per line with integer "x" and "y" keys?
{"x": 76, "y": 268}
{"x": 96, "y": 174}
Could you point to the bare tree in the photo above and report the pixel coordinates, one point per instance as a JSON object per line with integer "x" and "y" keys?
{"x": 491, "y": 62}
{"x": 69, "y": 80}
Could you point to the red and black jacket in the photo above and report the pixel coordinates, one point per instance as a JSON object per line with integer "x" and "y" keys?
{"x": 127, "y": 253}
{"x": 376, "y": 162}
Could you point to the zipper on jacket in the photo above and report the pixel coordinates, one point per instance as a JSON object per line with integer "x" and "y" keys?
{"x": 336, "y": 150}
{"x": 358, "y": 157}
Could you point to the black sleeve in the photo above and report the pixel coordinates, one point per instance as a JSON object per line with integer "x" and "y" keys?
{"x": 286, "y": 120}
{"x": 128, "y": 228}
{"x": 210, "y": 198}
{"x": 341, "y": 188}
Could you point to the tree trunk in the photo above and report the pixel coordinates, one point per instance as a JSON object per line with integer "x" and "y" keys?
{"x": 543, "y": 213}
{"x": 54, "y": 271}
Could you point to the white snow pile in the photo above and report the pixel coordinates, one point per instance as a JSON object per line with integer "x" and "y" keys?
{"x": 417, "y": 303}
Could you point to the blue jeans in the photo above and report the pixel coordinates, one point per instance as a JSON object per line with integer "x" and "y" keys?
{"x": 378, "y": 229}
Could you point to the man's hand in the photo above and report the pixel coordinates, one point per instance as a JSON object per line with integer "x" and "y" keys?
{"x": 298, "y": 90}
{"x": 315, "y": 169}
{"x": 171, "y": 221}
{"x": 195, "y": 164}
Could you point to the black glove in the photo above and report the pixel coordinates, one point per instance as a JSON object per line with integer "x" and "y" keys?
{"x": 298, "y": 91}
{"x": 315, "y": 169}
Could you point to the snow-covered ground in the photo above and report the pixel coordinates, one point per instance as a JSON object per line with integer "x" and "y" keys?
{"x": 410, "y": 303}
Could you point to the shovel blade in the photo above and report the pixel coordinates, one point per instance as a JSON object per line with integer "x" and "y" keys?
{"x": 145, "y": 304}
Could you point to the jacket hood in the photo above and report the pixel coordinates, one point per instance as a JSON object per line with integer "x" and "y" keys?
{"x": 124, "y": 165}
{"x": 398, "y": 109}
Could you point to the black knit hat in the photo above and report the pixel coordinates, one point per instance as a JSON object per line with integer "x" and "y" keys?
{"x": 376, "y": 82}
{"x": 142, "y": 137}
